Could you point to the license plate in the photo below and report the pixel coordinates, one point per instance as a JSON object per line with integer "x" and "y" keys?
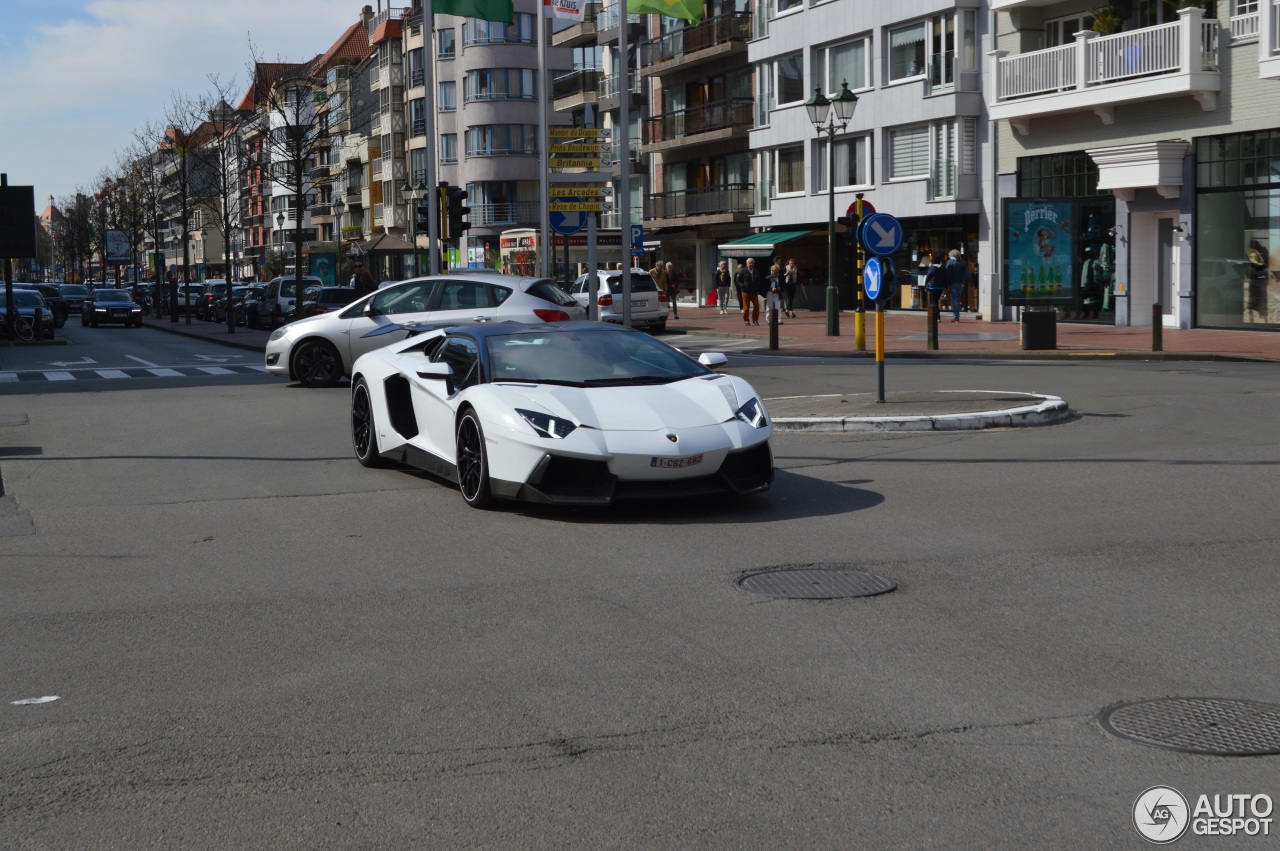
{"x": 675, "y": 463}
{"x": 640, "y": 303}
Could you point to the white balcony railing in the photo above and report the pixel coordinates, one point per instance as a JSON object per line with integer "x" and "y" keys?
{"x": 1244, "y": 27}
{"x": 1275, "y": 28}
{"x": 1092, "y": 61}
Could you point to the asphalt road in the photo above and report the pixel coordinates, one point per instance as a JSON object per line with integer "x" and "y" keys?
{"x": 258, "y": 643}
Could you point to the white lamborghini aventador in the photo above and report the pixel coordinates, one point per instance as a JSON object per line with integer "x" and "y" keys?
{"x": 574, "y": 413}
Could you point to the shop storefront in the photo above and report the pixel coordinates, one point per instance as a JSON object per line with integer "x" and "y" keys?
{"x": 1060, "y": 239}
{"x": 1238, "y": 231}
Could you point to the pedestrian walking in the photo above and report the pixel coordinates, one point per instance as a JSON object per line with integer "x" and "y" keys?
{"x": 957, "y": 276}
{"x": 722, "y": 282}
{"x": 673, "y": 290}
{"x": 934, "y": 283}
{"x": 790, "y": 278}
{"x": 750, "y": 285}
{"x": 361, "y": 280}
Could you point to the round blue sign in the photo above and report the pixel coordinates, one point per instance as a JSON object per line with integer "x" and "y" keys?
{"x": 872, "y": 278}
{"x": 567, "y": 224}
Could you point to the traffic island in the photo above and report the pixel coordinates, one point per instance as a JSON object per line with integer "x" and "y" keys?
{"x": 929, "y": 410}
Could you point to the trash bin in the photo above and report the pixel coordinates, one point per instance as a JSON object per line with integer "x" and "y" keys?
{"x": 1039, "y": 328}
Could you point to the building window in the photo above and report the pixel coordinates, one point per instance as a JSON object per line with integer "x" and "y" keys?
{"x": 790, "y": 70}
{"x": 853, "y": 162}
{"x": 969, "y": 141}
{"x": 1068, "y": 175}
{"x": 791, "y": 169}
{"x": 499, "y": 84}
{"x": 502, "y": 140}
{"x": 448, "y": 147}
{"x": 446, "y": 43}
{"x": 475, "y": 31}
{"x": 418, "y": 117}
{"x": 764, "y": 99}
{"x": 786, "y": 5}
{"x": 765, "y": 182}
{"x": 840, "y": 63}
{"x": 909, "y": 152}
{"x": 448, "y": 95}
{"x": 417, "y": 165}
{"x": 1060, "y": 31}
{"x": 906, "y": 51}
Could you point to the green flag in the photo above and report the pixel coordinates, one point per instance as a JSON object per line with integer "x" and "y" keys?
{"x": 498, "y": 11}
{"x": 690, "y": 10}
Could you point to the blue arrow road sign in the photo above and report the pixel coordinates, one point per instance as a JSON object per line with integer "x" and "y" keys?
{"x": 881, "y": 234}
{"x": 871, "y": 278}
{"x": 567, "y": 224}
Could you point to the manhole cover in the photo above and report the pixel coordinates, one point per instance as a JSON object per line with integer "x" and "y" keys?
{"x": 815, "y": 583}
{"x": 1199, "y": 725}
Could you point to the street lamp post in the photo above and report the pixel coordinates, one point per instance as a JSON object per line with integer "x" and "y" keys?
{"x": 826, "y": 113}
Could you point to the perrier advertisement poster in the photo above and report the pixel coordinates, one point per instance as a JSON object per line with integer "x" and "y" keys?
{"x": 1038, "y": 245}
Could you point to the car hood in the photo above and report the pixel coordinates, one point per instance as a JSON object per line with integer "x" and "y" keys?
{"x": 690, "y": 403}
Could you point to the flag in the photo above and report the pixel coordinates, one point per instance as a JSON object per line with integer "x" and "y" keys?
{"x": 564, "y": 10}
{"x": 690, "y": 10}
{"x": 497, "y": 11}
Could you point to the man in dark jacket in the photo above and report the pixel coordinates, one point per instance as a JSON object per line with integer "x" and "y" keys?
{"x": 958, "y": 279}
{"x": 751, "y": 283}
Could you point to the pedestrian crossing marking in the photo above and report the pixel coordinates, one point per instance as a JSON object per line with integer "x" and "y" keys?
{"x": 26, "y": 376}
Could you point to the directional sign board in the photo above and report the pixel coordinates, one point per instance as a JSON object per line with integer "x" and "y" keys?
{"x": 567, "y": 222}
{"x": 872, "y": 278}
{"x": 881, "y": 234}
{"x": 574, "y": 205}
{"x": 578, "y": 191}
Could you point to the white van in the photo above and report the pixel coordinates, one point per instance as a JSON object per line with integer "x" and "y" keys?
{"x": 276, "y": 304}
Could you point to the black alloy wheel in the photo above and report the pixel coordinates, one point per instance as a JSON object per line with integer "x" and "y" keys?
{"x": 363, "y": 427}
{"x": 473, "y": 464}
{"x": 317, "y": 364}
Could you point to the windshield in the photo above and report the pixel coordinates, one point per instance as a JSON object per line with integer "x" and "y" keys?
{"x": 641, "y": 282}
{"x": 73, "y": 290}
{"x": 590, "y": 357}
{"x": 27, "y": 298}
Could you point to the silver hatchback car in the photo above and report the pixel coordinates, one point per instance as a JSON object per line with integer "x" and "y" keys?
{"x": 648, "y": 303}
{"x": 319, "y": 350}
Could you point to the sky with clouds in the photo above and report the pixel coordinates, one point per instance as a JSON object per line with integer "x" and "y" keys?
{"x": 78, "y": 78}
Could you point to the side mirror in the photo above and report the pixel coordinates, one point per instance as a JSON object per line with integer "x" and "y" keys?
{"x": 435, "y": 369}
{"x": 711, "y": 360}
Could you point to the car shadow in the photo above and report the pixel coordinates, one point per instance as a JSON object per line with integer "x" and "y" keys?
{"x": 792, "y": 496}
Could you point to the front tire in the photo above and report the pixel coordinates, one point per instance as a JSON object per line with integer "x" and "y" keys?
{"x": 473, "y": 463}
{"x": 364, "y": 429}
{"x": 317, "y": 364}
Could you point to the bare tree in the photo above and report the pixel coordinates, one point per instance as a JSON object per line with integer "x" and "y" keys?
{"x": 143, "y": 162}
{"x": 294, "y": 140}
{"x": 223, "y": 162}
{"x": 186, "y": 130}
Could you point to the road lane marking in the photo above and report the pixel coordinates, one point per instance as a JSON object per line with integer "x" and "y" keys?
{"x": 216, "y": 370}
{"x": 112, "y": 373}
{"x": 164, "y": 372}
{"x": 59, "y": 376}
{"x": 141, "y": 361}
{"x": 8, "y": 377}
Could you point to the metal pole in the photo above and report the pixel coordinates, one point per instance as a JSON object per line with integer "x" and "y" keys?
{"x": 1157, "y": 327}
{"x": 593, "y": 279}
{"x": 833, "y": 306}
{"x": 622, "y": 143}
{"x": 880, "y": 349}
{"x": 429, "y": 110}
{"x": 860, "y": 315}
{"x": 546, "y": 248}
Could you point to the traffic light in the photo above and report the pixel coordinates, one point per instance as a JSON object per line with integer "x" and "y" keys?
{"x": 442, "y": 204}
{"x": 422, "y": 213}
{"x": 457, "y": 212}
{"x": 849, "y": 236}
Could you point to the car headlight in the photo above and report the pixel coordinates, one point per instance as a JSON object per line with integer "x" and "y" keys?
{"x": 752, "y": 414}
{"x": 277, "y": 334}
{"x": 546, "y": 425}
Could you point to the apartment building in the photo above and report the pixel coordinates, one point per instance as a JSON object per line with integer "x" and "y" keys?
{"x": 912, "y": 148}
{"x": 1139, "y": 160}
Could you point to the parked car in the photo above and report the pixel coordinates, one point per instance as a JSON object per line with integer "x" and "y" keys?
{"x": 106, "y": 305}
{"x": 648, "y": 303}
{"x": 188, "y": 296}
{"x": 327, "y": 300}
{"x": 277, "y": 299}
{"x": 220, "y": 306}
{"x": 75, "y": 294}
{"x": 318, "y": 350}
{"x": 53, "y": 298}
{"x": 576, "y": 413}
{"x": 211, "y": 291}
{"x": 246, "y": 309}
{"x": 28, "y": 304}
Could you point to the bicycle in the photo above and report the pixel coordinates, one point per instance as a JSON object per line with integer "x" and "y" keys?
{"x": 23, "y": 328}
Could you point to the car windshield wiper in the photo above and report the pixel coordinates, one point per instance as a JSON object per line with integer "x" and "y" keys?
{"x": 623, "y": 380}
{"x": 563, "y": 382}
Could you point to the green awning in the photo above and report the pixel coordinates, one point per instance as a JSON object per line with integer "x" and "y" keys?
{"x": 760, "y": 244}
